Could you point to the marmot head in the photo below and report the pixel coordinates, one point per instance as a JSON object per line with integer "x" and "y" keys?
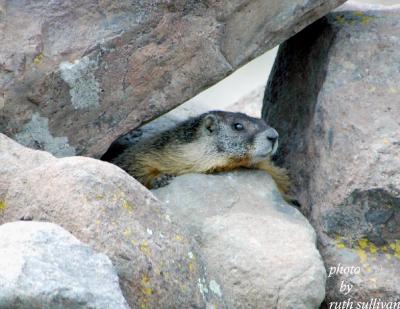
{"x": 240, "y": 136}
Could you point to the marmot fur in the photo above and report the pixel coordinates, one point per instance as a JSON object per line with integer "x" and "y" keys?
{"x": 212, "y": 142}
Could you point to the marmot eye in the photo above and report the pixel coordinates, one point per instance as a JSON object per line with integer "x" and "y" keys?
{"x": 238, "y": 126}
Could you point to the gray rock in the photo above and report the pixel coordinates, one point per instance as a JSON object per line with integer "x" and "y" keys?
{"x": 44, "y": 266}
{"x": 158, "y": 264}
{"x": 259, "y": 251}
{"x": 334, "y": 97}
{"x": 118, "y": 64}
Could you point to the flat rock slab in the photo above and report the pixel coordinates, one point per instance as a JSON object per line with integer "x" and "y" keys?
{"x": 44, "y": 266}
{"x": 158, "y": 264}
{"x": 74, "y": 89}
{"x": 334, "y": 97}
{"x": 259, "y": 251}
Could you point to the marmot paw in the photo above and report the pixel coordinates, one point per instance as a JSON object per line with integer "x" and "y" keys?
{"x": 161, "y": 181}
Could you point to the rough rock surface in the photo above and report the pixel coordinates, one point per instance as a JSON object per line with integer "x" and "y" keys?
{"x": 75, "y": 89}
{"x": 107, "y": 209}
{"x": 259, "y": 251}
{"x": 44, "y": 266}
{"x": 334, "y": 96}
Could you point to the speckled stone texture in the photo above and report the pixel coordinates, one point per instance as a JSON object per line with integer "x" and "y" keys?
{"x": 334, "y": 97}
{"x": 157, "y": 263}
{"x": 44, "y": 266}
{"x": 76, "y": 75}
{"x": 260, "y": 252}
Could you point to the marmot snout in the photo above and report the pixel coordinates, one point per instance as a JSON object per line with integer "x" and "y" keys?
{"x": 212, "y": 142}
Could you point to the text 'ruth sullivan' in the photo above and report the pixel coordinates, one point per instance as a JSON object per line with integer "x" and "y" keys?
{"x": 373, "y": 303}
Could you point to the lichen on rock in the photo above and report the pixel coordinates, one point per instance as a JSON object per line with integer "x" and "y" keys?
{"x": 36, "y": 134}
{"x": 80, "y": 76}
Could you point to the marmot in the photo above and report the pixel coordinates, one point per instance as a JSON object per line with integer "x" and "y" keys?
{"x": 212, "y": 142}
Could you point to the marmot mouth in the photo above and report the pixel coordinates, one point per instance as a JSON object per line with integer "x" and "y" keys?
{"x": 274, "y": 148}
{"x": 269, "y": 153}
{"x": 261, "y": 157}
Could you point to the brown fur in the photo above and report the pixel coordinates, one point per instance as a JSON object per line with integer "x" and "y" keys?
{"x": 177, "y": 157}
{"x": 279, "y": 175}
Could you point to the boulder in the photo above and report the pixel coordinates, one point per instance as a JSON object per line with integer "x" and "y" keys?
{"x": 74, "y": 89}
{"x": 158, "y": 264}
{"x": 44, "y": 266}
{"x": 259, "y": 251}
{"x": 334, "y": 97}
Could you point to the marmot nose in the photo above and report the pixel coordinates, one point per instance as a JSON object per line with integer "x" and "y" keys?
{"x": 272, "y": 135}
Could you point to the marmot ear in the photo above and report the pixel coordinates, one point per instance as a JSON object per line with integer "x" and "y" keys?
{"x": 210, "y": 123}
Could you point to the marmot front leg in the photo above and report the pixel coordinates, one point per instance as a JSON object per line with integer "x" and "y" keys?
{"x": 279, "y": 175}
{"x": 161, "y": 181}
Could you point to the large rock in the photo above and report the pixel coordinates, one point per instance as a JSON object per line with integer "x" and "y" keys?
{"x": 334, "y": 97}
{"x": 101, "y": 205}
{"x": 117, "y": 64}
{"x": 44, "y": 266}
{"x": 259, "y": 251}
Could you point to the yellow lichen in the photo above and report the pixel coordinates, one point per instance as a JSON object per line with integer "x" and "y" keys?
{"x": 38, "y": 59}
{"x": 363, "y": 243}
{"x": 192, "y": 267}
{"x": 397, "y": 249}
{"x": 127, "y": 232}
{"x": 128, "y": 206}
{"x": 365, "y": 20}
{"x": 146, "y": 289}
{"x": 178, "y": 237}
{"x": 3, "y": 206}
{"x": 145, "y": 280}
{"x": 339, "y": 243}
{"x": 340, "y": 19}
{"x": 144, "y": 247}
{"x": 362, "y": 18}
{"x": 356, "y": 17}
{"x": 365, "y": 249}
{"x": 143, "y": 305}
{"x": 362, "y": 255}
{"x": 372, "y": 248}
